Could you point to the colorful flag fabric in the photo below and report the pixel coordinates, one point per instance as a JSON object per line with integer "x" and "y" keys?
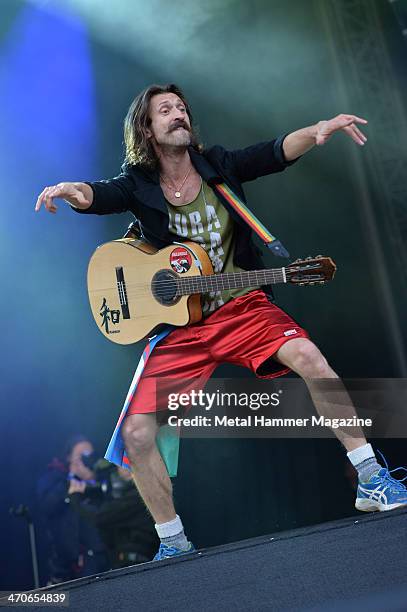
{"x": 116, "y": 452}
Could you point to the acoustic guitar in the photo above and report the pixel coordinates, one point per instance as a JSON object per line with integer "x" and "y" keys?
{"x": 135, "y": 288}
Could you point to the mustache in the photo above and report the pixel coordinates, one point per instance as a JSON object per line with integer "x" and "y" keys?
{"x": 178, "y": 124}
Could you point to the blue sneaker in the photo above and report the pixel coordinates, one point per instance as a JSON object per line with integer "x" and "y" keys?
{"x": 167, "y": 552}
{"x": 381, "y": 492}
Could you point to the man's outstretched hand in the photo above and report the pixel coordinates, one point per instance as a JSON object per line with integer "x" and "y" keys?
{"x": 299, "y": 142}
{"x": 79, "y": 195}
{"x": 346, "y": 123}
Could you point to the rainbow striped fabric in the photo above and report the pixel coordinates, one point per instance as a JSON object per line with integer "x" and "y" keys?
{"x": 252, "y": 221}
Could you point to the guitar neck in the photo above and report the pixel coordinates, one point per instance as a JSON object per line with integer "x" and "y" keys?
{"x": 230, "y": 280}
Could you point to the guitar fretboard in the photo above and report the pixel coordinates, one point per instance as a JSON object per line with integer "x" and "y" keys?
{"x": 230, "y": 280}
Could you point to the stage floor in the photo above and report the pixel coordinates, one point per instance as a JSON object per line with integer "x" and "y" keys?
{"x": 351, "y": 564}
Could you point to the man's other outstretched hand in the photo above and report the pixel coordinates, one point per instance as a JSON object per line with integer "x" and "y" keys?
{"x": 299, "y": 142}
{"x": 346, "y": 123}
{"x": 79, "y": 195}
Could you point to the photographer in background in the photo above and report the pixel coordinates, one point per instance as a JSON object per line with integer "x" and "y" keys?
{"x": 120, "y": 515}
{"x": 76, "y": 549}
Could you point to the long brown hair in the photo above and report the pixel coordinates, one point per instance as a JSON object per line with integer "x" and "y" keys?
{"x": 139, "y": 150}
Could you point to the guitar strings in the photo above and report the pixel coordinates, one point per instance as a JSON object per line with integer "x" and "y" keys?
{"x": 228, "y": 275}
{"x": 145, "y": 289}
{"x": 199, "y": 280}
{"x": 161, "y": 288}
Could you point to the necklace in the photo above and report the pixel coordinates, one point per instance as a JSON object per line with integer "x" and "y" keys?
{"x": 178, "y": 191}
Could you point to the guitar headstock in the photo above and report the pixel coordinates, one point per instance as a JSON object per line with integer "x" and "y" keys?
{"x": 311, "y": 271}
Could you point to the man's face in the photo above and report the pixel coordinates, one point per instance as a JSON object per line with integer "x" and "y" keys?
{"x": 76, "y": 465}
{"x": 170, "y": 125}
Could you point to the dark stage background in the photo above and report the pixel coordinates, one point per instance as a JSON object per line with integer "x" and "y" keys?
{"x": 252, "y": 70}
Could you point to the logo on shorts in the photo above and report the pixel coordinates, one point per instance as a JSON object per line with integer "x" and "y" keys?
{"x": 290, "y": 332}
{"x": 180, "y": 260}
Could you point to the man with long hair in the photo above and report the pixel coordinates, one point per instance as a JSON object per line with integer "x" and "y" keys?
{"x": 167, "y": 181}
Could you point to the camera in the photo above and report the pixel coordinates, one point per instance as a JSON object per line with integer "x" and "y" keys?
{"x": 99, "y": 486}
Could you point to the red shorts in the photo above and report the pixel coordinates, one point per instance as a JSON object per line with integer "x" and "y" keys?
{"x": 246, "y": 331}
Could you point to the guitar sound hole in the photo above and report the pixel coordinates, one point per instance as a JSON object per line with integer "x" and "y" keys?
{"x": 164, "y": 288}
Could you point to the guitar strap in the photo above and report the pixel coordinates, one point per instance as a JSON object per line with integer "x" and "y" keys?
{"x": 252, "y": 221}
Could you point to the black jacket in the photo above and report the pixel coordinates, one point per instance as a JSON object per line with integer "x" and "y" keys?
{"x": 138, "y": 190}
{"x": 67, "y": 534}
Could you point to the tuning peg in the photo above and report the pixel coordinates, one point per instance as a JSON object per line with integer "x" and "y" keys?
{"x": 309, "y": 257}
{"x": 322, "y": 282}
{"x": 319, "y": 257}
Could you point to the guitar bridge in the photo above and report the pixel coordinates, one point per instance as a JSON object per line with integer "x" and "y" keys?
{"x": 121, "y": 287}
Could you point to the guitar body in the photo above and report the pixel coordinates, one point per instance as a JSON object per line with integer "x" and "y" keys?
{"x": 131, "y": 287}
{"x": 135, "y": 288}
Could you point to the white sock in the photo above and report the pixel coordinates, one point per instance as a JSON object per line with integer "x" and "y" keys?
{"x": 169, "y": 529}
{"x": 360, "y": 454}
{"x": 172, "y": 534}
{"x": 365, "y": 462}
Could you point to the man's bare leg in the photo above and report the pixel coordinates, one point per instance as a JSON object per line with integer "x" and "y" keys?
{"x": 304, "y": 358}
{"x": 149, "y": 472}
{"x": 376, "y": 490}
{"x": 153, "y": 483}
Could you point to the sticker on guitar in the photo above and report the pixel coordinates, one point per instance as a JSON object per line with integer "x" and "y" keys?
{"x": 180, "y": 260}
